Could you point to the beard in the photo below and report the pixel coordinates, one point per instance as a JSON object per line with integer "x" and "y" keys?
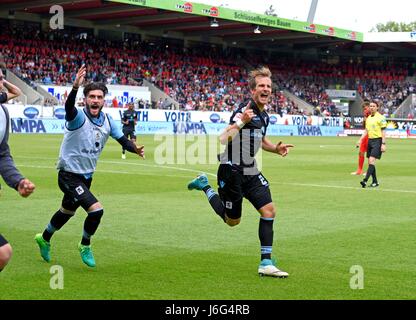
{"x": 93, "y": 107}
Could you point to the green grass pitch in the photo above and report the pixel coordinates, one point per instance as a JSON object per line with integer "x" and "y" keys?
{"x": 157, "y": 240}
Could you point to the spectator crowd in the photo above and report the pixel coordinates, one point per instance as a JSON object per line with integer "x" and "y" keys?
{"x": 197, "y": 78}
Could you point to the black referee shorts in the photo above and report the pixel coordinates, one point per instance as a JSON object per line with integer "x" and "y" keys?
{"x": 3, "y": 241}
{"x": 374, "y": 148}
{"x": 76, "y": 191}
{"x": 233, "y": 186}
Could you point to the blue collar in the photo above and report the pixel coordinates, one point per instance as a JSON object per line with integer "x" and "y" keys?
{"x": 99, "y": 121}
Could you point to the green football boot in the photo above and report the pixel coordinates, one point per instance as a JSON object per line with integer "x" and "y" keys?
{"x": 86, "y": 255}
{"x": 44, "y": 246}
{"x": 199, "y": 182}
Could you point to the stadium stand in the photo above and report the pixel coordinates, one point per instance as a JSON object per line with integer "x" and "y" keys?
{"x": 198, "y": 78}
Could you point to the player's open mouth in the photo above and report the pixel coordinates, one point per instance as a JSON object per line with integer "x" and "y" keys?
{"x": 95, "y": 107}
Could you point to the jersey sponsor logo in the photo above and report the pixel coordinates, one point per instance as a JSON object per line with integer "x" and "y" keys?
{"x": 86, "y": 151}
{"x": 257, "y": 133}
{"x": 79, "y": 190}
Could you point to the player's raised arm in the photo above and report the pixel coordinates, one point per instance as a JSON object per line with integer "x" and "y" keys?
{"x": 70, "y": 109}
{"x": 13, "y": 91}
{"x": 80, "y": 77}
{"x": 232, "y": 130}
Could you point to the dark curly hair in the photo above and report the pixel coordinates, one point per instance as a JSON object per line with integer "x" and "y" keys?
{"x": 95, "y": 86}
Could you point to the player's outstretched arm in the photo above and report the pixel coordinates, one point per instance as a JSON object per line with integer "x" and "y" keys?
{"x": 130, "y": 146}
{"x": 279, "y": 148}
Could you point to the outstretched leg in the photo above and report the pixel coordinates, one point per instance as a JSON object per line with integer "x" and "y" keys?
{"x": 201, "y": 183}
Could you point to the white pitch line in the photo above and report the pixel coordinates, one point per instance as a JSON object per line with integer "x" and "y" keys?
{"x": 159, "y": 166}
{"x": 341, "y": 187}
{"x": 332, "y": 145}
{"x": 130, "y": 163}
{"x": 135, "y": 164}
{"x": 214, "y": 175}
{"x": 124, "y": 172}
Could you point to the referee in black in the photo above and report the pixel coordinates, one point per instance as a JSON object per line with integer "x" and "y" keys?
{"x": 129, "y": 121}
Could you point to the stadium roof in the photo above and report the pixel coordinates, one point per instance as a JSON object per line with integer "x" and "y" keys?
{"x": 193, "y": 21}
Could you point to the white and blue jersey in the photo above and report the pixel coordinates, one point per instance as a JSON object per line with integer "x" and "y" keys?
{"x": 84, "y": 140}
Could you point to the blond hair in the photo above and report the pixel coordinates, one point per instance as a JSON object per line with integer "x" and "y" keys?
{"x": 258, "y": 72}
